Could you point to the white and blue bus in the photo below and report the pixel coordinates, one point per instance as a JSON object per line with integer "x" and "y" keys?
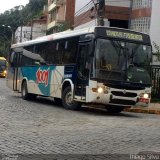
{"x": 98, "y": 65}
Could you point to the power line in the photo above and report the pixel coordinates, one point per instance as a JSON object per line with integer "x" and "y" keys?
{"x": 79, "y": 12}
{"x": 81, "y": 20}
{"x": 82, "y": 16}
{"x": 83, "y": 8}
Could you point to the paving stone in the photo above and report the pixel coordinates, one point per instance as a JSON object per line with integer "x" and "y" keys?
{"x": 41, "y": 128}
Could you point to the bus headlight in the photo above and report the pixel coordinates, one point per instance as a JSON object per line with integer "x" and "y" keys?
{"x": 100, "y": 90}
{"x": 5, "y": 72}
{"x": 145, "y": 95}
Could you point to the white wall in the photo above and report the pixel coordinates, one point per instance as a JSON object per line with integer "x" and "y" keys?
{"x": 26, "y": 30}
{"x": 119, "y": 3}
{"x": 88, "y": 24}
{"x": 38, "y": 30}
{"x": 155, "y": 22}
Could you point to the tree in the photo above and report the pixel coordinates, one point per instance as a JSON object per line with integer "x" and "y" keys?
{"x": 157, "y": 50}
{"x": 18, "y": 16}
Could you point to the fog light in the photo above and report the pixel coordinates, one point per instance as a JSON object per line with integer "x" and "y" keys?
{"x": 100, "y": 90}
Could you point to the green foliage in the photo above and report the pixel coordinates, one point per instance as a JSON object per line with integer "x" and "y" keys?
{"x": 18, "y": 16}
{"x": 157, "y": 50}
{"x": 63, "y": 27}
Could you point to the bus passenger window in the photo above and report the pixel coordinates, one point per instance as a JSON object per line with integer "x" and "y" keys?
{"x": 71, "y": 46}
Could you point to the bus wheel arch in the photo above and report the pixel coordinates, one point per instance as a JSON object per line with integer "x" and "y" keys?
{"x": 24, "y": 91}
{"x": 67, "y": 97}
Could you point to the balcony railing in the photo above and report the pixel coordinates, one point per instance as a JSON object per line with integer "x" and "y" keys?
{"x": 54, "y": 23}
{"x": 56, "y": 3}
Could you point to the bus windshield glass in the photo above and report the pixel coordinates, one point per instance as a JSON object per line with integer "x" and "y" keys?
{"x": 122, "y": 61}
{"x": 2, "y": 65}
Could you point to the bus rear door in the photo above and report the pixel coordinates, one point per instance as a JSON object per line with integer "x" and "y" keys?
{"x": 13, "y": 75}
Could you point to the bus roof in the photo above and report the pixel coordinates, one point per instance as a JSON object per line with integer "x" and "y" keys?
{"x": 65, "y": 34}
{"x": 55, "y": 36}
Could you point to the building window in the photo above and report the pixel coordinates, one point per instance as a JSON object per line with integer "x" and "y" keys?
{"x": 141, "y": 24}
{"x": 142, "y": 4}
{"x": 53, "y": 15}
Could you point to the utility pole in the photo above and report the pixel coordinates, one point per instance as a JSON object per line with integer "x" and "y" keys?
{"x": 130, "y": 14}
{"x": 31, "y": 36}
{"x": 21, "y": 33}
{"x": 100, "y": 12}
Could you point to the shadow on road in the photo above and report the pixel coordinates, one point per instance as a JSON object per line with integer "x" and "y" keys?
{"x": 84, "y": 109}
{"x": 88, "y": 110}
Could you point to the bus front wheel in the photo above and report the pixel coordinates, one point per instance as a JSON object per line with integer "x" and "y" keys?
{"x": 67, "y": 100}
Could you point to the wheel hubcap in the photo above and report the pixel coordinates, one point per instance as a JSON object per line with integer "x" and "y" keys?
{"x": 69, "y": 99}
{"x": 23, "y": 91}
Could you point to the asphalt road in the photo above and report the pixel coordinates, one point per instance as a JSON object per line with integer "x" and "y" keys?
{"x": 40, "y": 127}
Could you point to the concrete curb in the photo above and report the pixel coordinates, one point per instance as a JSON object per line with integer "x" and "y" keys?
{"x": 142, "y": 110}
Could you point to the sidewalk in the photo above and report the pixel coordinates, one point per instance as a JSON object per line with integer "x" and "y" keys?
{"x": 154, "y": 108}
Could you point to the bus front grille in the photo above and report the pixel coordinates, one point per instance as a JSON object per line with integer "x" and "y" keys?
{"x": 123, "y": 94}
{"x": 122, "y": 101}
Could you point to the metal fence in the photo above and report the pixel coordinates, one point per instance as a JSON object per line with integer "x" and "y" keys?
{"x": 155, "y": 81}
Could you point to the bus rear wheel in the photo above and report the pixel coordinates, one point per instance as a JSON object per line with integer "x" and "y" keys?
{"x": 24, "y": 92}
{"x": 114, "y": 109}
{"x": 68, "y": 101}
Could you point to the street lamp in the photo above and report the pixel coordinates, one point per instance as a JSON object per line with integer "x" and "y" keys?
{"x": 12, "y": 39}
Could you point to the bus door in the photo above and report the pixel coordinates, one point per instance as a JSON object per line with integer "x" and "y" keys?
{"x": 16, "y": 74}
{"x": 82, "y": 71}
{"x": 13, "y": 76}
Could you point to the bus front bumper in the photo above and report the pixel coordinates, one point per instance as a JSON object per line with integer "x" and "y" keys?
{"x": 110, "y": 99}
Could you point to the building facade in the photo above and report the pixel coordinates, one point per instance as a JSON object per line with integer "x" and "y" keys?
{"x": 60, "y": 15}
{"x": 117, "y": 13}
{"x": 141, "y": 15}
{"x": 138, "y": 15}
{"x": 35, "y": 29}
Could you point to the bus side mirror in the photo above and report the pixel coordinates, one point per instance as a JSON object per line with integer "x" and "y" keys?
{"x": 11, "y": 57}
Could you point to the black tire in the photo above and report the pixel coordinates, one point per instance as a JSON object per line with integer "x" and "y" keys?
{"x": 67, "y": 102}
{"x": 58, "y": 101}
{"x": 114, "y": 109}
{"x": 24, "y": 92}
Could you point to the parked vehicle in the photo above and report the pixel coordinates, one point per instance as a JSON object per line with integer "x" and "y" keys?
{"x": 3, "y": 67}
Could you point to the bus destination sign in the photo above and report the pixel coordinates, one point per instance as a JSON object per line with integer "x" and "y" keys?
{"x": 124, "y": 35}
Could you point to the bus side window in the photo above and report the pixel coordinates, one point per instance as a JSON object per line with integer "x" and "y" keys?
{"x": 71, "y": 48}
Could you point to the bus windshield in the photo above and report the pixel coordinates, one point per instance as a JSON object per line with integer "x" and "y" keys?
{"x": 122, "y": 61}
{"x": 2, "y": 65}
